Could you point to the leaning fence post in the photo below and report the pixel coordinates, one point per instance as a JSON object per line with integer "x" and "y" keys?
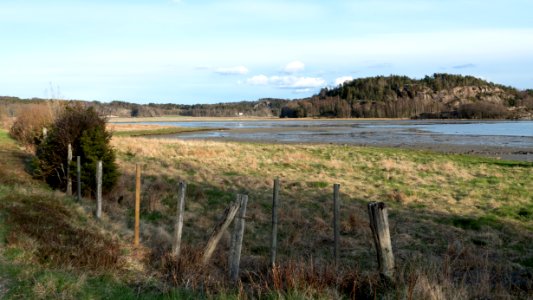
{"x": 78, "y": 175}
{"x": 274, "y": 241}
{"x": 219, "y": 229}
{"x": 178, "y": 228}
{"x": 238, "y": 234}
{"x": 379, "y": 223}
{"x": 336, "y": 227}
{"x": 69, "y": 179}
{"x": 99, "y": 190}
{"x": 137, "y": 204}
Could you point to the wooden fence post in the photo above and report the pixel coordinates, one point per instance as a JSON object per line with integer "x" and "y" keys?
{"x": 379, "y": 223}
{"x": 99, "y": 190}
{"x": 137, "y": 204}
{"x": 69, "y": 179}
{"x": 336, "y": 227}
{"x": 78, "y": 175}
{"x": 274, "y": 241}
{"x": 219, "y": 229}
{"x": 238, "y": 235}
{"x": 233, "y": 236}
{"x": 178, "y": 228}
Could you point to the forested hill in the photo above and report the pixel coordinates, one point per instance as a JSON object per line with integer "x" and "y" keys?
{"x": 437, "y": 96}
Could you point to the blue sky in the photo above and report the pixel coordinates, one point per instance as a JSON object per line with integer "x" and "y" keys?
{"x": 216, "y": 51}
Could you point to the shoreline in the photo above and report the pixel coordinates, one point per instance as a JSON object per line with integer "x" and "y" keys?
{"x": 253, "y": 118}
{"x": 234, "y": 119}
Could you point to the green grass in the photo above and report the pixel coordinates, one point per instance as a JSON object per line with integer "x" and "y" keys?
{"x": 160, "y": 131}
{"x": 4, "y": 137}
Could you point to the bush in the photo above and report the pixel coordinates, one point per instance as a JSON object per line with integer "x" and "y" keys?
{"x": 482, "y": 110}
{"x": 29, "y": 124}
{"x": 86, "y": 131}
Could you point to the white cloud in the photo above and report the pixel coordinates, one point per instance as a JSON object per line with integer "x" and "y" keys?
{"x": 287, "y": 82}
{"x": 343, "y": 79}
{"x": 258, "y": 80}
{"x": 237, "y": 70}
{"x": 294, "y": 67}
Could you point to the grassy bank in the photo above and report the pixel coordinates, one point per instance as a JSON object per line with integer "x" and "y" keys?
{"x": 461, "y": 226}
{"x": 52, "y": 248}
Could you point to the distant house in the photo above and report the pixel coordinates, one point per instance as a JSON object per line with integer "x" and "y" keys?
{"x": 241, "y": 114}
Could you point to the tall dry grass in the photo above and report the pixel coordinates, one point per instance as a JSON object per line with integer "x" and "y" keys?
{"x": 30, "y": 121}
{"x": 445, "y": 247}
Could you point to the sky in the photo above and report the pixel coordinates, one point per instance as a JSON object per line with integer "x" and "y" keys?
{"x": 203, "y": 51}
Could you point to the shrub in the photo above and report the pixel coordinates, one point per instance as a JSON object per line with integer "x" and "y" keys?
{"x": 86, "y": 131}
{"x": 29, "y": 124}
{"x": 482, "y": 110}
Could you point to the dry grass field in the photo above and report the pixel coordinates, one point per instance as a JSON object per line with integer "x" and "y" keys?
{"x": 461, "y": 226}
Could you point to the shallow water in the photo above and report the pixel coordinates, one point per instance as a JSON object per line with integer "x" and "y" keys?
{"x": 485, "y": 137}
{"x": 500, "y": 128}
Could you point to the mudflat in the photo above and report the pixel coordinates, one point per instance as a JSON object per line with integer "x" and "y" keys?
{"x": 500, "y": 139}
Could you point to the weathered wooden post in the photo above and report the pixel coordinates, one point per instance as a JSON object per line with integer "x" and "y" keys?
{"x": 99, "y": 189}
{"x": 178, "y": 228}
{"x": 238, "y": 235}
{"x": 379, "y": 223}
{"x": 233, "y": 237}
{"x": 336, "y": 227}
{"x": 219, "y": 229}
{"x": 274, "y": 241}
{"x": 69, "y": 179}
{"x": 78, "y": 175}
{"x": 137, "y": 204}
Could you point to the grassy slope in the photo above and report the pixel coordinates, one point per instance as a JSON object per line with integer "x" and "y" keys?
{"x": 50, "y": 247}
{"x": 460, "y": 215}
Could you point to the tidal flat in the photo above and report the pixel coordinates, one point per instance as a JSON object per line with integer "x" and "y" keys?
{"x": 511, "y": 140}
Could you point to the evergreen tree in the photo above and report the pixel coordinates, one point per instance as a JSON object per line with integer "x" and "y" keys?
{"x": 86, "y": 131}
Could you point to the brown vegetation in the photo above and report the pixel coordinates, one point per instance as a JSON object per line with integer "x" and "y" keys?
{"x": 29, "y": 123}
{"x": 44, "y": 226}
{"x": 447, "y": 215}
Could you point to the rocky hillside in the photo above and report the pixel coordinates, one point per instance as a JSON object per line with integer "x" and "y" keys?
{"x": 438, "y": 96}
